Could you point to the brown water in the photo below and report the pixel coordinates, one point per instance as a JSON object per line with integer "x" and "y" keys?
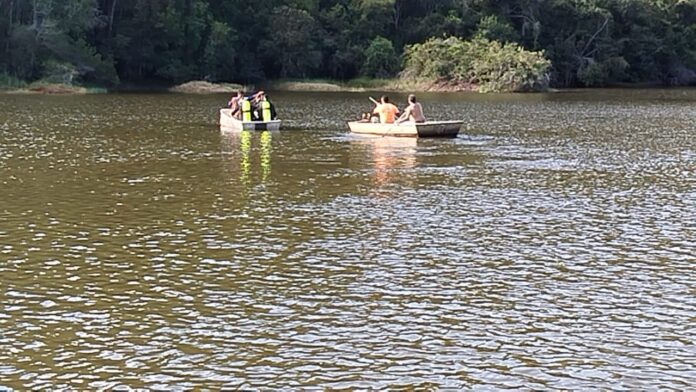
{"x": 551, "y": 246}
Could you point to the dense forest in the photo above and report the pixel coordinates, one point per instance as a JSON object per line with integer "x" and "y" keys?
{"x": 112, "y": 42}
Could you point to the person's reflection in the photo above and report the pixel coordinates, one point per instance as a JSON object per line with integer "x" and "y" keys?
{"x": 389, "y": 156}
{"x": 265, "y": 139}
{"x": 244, "y": 148}
{"x": 238, "y": 147}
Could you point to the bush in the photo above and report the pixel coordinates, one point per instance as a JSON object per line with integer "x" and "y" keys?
{"x": 381, "y": 60}
{"x": 488, "y": 65}
{"x": 599, "y": 74}
{"x": 59, "y": 72}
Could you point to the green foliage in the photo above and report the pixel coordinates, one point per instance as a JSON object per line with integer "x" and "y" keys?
{"x": 599, "y": 74}
{"x": 220, "y": 53}
{"x": 104, "y": 42}
{"x": 381, "y": 60}
{"x": 291, "y": 44}
{"x": 10, "y": 82}
{"x": 488, "y": 65}
{"x": 57, "y": 72}
{"x": 492, "y": 28}
{"x": 508, "y": 67}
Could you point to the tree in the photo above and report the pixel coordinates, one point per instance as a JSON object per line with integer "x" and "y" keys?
{"x": 589, "y": 42}
{"x": 291, "y": 46}
{"x": 492, "y": 28}
{"x": 381, "y": 59}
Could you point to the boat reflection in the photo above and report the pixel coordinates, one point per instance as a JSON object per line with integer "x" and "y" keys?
{"x": 390, "y": 156}
{"x": 242, "y": 159}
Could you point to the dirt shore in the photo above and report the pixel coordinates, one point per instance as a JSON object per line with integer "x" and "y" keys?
{"x": 202, "y": 87}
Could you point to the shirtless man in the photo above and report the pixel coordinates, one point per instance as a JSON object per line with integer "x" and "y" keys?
{"x": 387, "y": 111}
{"x": 414, "y": 112}
{"x": 235, "y": 104}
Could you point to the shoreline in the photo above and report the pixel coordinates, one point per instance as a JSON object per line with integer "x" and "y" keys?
{"x": 52, "y": 89}
{"x": 310, "y": 85}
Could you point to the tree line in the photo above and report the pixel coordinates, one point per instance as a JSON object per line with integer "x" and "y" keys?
{"x": 110, "y": 42}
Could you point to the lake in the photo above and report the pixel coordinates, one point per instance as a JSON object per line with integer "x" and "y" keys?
{"x": 552, "y": 245}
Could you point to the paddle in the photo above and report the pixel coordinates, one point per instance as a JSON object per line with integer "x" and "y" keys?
{"x": 375, "y": 102}
{"x": 389, "y": 130}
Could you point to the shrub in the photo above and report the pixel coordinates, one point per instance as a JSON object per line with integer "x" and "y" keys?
{"x": 598, "y": 74}
{"x": 59, "y": 72}
{"x": 488, "y": 65}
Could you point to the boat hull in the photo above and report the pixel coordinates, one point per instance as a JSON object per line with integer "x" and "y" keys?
{"x": 408, "y": 129}
{"x": 229, "y": 123}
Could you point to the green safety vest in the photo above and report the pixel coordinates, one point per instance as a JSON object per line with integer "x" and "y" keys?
{"x": 265, "y": 110}
{"x": 246, "y": 110}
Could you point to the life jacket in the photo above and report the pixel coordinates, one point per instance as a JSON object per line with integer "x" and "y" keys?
{"x": 265, "y": 110}
{"x": 246, "y": 110}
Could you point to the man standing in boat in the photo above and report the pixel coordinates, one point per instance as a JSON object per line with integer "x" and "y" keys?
{"x": 413, "y": 112}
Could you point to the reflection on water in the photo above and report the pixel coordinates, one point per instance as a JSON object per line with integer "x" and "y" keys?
{"x": 265, "y": 150}
{"x": 388, "y": 156}
{"x": 550, "y": 246}
{"x": 239, "y": 146}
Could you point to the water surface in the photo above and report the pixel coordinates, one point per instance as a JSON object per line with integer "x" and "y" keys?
{"x": 550, "y": 246}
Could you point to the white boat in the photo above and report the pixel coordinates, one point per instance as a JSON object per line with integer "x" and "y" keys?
{"x": 408, "y": 129}
{"x": 229, "y": 123}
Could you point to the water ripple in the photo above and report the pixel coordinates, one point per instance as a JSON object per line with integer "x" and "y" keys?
{"x": 550, "y": 246}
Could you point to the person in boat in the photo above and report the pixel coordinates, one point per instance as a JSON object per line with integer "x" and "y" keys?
{"x": 274, "y": 115}
{"x": 413, "y": 112}
{"x": 256, "y": 105}
{"x": 258, "y": 102}
{"x": 235, "y": 104}
{"x": 386, "y": 110}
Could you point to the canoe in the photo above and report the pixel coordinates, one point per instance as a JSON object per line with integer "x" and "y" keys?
{"x": 229, "y": 123}
{"x": 408, "y": 129}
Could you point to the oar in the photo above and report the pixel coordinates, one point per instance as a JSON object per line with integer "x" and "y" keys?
{"x": 389, "y": 130}
{"x": 373, "y": 101}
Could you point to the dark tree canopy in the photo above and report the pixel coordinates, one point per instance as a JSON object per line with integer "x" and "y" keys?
{"x": 108, "y": 42}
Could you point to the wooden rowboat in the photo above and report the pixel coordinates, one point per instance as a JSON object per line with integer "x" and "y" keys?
{"x": 229, "y": 123}
{"x": 408, "y": 129}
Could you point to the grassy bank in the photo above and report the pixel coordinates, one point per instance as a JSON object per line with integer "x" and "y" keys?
{"x": 203, "y": 87}
{"x": 11, "y": 85}
{"x": 51, "y": 89}
{"x": 355, "y": 85}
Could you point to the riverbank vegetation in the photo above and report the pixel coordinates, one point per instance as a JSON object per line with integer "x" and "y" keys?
{"x": 478, "y": 65}
{"x": 168, "y": 42}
